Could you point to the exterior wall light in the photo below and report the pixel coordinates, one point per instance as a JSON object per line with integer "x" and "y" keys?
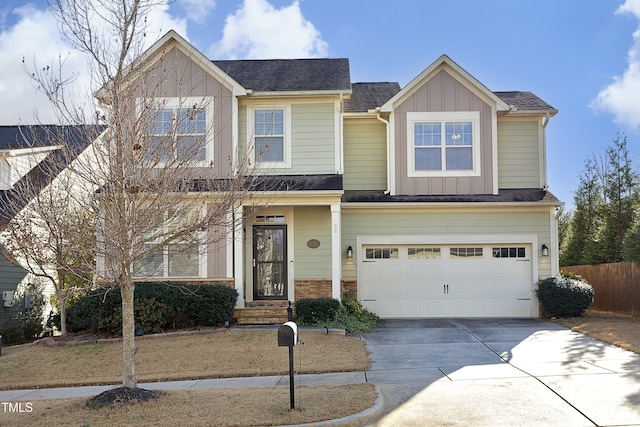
{"x": 349, "y": 252}
{"x": 545, "y": 250}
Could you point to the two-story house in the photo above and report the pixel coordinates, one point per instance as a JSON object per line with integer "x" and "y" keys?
{"x": 429, "y": 200}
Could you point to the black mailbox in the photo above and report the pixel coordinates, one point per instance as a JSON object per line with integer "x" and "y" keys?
{"x": 288, "y": 334}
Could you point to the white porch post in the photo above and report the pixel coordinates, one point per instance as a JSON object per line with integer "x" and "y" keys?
{"x": 336, "y": 250}
{"x": 238, "y": 245}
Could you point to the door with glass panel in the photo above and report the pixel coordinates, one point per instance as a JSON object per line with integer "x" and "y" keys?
{"x": 270, "y": 262}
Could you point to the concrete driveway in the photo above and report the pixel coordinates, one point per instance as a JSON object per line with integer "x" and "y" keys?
{"x": 499, "y": 372}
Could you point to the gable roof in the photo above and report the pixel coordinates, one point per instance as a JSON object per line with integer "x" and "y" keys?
{"x": 460, "y": 74}
{"x": 75, "y": 139}
{"x": 367, "y": 96}
{"x": 289, "y": 75}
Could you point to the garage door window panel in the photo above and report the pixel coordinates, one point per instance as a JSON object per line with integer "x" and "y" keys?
{"x": 381, "y": 253}
{"x": 465, "y": 252}
{"x": 509, "y": 252}
{"x": 424, "y": 253}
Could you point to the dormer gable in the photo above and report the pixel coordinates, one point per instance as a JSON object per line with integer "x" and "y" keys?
{"x": 444, "y": 63}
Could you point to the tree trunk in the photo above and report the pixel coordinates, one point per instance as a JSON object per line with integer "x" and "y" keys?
{"x": 128, "y": 336}
{"x": 63, "y": 316}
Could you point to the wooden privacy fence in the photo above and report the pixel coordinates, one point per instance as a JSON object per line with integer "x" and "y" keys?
{"x": 616, "y": 286}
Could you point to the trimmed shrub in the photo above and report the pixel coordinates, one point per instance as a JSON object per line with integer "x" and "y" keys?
{"x": 311, "y": 311}
{"x": 565, "y": 295}
{"x": 157, "y": 307}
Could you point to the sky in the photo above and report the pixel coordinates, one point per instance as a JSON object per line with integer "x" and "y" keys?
{"x": 582, "y": 57}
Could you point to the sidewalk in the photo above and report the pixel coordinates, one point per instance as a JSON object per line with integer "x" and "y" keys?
{"x": 340, "y": 378}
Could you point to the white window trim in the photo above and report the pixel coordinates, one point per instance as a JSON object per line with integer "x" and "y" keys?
{"x": 208, "y": 104}
{"x": 202, "y": 256}
{"x": 286, "y": 163}
{"x": 443, "y": 116}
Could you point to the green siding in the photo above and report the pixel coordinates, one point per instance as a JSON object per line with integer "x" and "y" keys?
{"x": 313, "y": 148}
{"x": 518, "y": 154}
{"x": 365, "y": 156}
{"x": 312, "y": 223}
{"x": 411, "y": 223}
{"x": 10, "y": 276}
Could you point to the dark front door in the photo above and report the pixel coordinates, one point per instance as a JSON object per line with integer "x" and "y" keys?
{"x": 270, "y": 262}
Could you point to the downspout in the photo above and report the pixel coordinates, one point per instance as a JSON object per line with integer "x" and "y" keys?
{"x": 386, "y": 122}
{"x": 340, "y": 165}
{"x": 545, "y": 122}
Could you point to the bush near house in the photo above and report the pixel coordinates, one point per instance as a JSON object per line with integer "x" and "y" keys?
{"x": 26, "y": 319}
{"x": 349, "y": 314}
{"x": 565, "y": 295}
{"x": 157, "y": 307}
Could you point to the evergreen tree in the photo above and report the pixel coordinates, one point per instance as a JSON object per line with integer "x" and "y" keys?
{"x": 582, "y": 244}
{"x": 621, "y": 195}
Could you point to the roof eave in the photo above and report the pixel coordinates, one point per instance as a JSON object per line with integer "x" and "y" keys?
{"x": 514, "y": 112}
{"x": 394, "y": 205}
{"x": 298, "y": 93}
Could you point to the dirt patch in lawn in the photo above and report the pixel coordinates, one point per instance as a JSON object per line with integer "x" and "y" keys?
{"x": 264, "y": 406}
{"x": 220, "y": 354}
{"x": 617, "y": 329}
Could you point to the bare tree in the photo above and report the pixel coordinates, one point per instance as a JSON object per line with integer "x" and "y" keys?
{"x": 162, "y": 195}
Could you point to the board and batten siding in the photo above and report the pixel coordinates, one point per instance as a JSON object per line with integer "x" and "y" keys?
{"x": 313, "y": 148}
{"x": 365, "y": 155}
{"x": 187, "y": 78}
{"x": 518, "y": 154}
{"x": 414, "y": 222}
{"x": 312, "y": 222}
{"x": 443, "y": 93}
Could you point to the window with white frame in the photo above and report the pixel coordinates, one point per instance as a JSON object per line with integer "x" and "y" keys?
{"x": 270, "y": 131}
{"x": 183, "y": 258}
{"x": 443, "y": 143}
{"x": 180, "y": 129}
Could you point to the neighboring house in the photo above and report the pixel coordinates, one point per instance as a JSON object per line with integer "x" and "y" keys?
{"x": 429, "y": 200}
{"x": 26, "y": 152}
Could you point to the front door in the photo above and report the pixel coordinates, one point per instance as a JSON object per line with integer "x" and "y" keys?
{"x": 270, "y": 262}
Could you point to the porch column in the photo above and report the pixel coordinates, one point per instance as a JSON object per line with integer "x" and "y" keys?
{"x": 238, "y": 260}
{"x": 336, "y": 250}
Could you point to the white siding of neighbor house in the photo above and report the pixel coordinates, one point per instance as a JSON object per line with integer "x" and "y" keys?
{"x": 365, "y": 155}
{"x": 518, "y": 154}
{"x": 312, "y": 222}
{"x": 397, "y": 222}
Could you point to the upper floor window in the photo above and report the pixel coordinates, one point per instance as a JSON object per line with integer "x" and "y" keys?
{"x": 443, "y": 144}
{"x": 270, "y": 130}
{"x": 180, "y": 130}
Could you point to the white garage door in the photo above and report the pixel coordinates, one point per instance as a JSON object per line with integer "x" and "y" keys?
{"x": 446, "y": 280}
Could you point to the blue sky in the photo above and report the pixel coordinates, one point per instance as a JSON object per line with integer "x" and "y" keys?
{"x": 582, "y": 57}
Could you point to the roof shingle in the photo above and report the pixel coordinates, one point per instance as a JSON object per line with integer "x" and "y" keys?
{"x": 282, "y": 75}
{"x": 367, "y": 96}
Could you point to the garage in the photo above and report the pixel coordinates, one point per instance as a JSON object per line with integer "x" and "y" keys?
{"x": 446, "y": 280}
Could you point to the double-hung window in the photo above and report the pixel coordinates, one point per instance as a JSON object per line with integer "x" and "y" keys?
{"x": 180, "y": 131}
{"x": 185, "y": 257}
{"x": 443, "y": 144}
{"x": 270, "y": 130}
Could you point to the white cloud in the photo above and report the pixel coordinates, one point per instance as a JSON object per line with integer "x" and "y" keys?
{"x": 32, "y": 34}
{"x": 621, "y": 97}
{"x": 259, "y": 30}
{"x": 198, "y": 10}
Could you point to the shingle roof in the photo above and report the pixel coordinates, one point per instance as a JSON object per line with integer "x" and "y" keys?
{"x": 281, "y": 75}
{"x": 367, "y": 96}
{"x": 75, "y": 139}
{"x": 503, "y": 196}
{"x": 524, "y": 101}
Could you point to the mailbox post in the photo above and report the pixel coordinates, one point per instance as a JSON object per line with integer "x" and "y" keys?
{"x": 288, "y": 337}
